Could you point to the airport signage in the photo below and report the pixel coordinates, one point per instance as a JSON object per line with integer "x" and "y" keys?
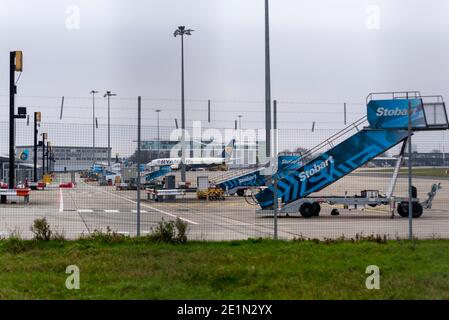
{"x": 393, "y": 114}
{"x": 24, "y": 155}
{"x": 289, "y": 162}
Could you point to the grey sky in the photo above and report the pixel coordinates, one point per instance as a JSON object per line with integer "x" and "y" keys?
{"x": 322, "y": 51}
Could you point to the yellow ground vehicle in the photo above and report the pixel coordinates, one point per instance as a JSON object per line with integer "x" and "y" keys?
{"x": 211, "y": 194}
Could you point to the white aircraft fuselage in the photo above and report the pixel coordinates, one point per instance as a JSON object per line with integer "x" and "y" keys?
{"x": 190, "y": 162}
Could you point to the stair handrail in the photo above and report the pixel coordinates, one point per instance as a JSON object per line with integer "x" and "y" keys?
{"x": 233, "y": 175}
{"x": 331, "y": 139}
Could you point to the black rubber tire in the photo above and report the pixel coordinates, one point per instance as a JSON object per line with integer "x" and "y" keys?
{"x": 335, "y": 212}
{"x": 402, "y": 209}
{"x": 316, "y": 209}
{"x": 241, "y": 192}
{"x": 306, "y": 210}
{"x": 417, "y": 209}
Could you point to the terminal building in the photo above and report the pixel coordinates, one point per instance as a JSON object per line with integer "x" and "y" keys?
{"x": 65, "y": 158}
{"x": 429, "y": 159}
{"x": 24, "y": 170}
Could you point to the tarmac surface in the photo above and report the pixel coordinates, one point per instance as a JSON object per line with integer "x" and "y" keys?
{"x": 90, "y": 207}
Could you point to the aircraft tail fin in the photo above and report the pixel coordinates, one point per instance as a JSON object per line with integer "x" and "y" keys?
{"x": 228, "y": 150}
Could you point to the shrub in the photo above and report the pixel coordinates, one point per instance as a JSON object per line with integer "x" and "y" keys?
{"x": 109, "y": 236}
{"x": 41, "y": 230}
{"x": 170, "y": 232}
{"x": 181, "y": 230}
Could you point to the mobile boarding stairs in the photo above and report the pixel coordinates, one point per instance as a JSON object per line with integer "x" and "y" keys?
{"x": 385, "y": 126}
{"x": 156, "y": 174}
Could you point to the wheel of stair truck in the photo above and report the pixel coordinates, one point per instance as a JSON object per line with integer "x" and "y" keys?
{"x": 250, "y": 196}
{"x": 316, "y": 209}
{"x": 417, "y": 209}
{"x": 307, "y": 210}
{"x": 241, "y": 192}
{"x": 335, "y": 212}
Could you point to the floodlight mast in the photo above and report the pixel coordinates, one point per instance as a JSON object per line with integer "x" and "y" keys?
{"x": 109, "y": 94}
{"x": 93, "y": 92}
{"x": 182, "y": 31}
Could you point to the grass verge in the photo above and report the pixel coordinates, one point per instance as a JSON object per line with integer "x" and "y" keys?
{"x": 253, "y": 269}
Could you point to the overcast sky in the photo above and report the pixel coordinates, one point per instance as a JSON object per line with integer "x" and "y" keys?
{"x": 322, "y": 51}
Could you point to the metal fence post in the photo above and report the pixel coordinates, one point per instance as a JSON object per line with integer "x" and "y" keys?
{"x": 139, "y": 101}
{"x": 275, "y": 169}
{"x": 410, "y": 195}
{"x": 344, "y": 110}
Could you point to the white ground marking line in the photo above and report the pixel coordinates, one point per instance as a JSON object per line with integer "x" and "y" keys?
{"x": 142, "y": 211}
{"x": 61, "y": 201}
{"x": 238, "y": 222}
{"x": 143, "y": 205}
{"x": 112, "y": 211}
{"x": 85, "y": 210}
{"x": 150, "y": 207}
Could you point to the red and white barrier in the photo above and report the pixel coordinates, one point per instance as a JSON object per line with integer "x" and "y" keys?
{"x": 24, "y": 192}
{"x": 67, "y": 185}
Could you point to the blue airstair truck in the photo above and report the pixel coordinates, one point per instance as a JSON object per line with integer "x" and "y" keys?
{"x": 159, "y": 173}
{"x": 384, "y": 127}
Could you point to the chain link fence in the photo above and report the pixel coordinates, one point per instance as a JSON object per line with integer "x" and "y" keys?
{"x": 105, "y": 180}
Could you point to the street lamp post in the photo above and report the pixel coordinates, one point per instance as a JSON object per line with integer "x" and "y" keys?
{"x": 267, "y": 81}
{"x": 93, "y": 92}
{"x": 158, "y": 136}
{"x": 37, "y": 120}
{"x": 15, "y": 65}
{"x": 48, "y": 156}
{"x": 12, "y": 121}
{"x": 109, "y": 95}
{"x": 44, "y": 137}
{"x": 182, "y": 31}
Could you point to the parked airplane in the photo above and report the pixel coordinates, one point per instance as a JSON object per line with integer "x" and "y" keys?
{"x": 193, "y": 163}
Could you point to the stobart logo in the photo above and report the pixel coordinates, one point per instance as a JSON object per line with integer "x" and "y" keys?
{"x": 317, "y": 167}
{"x": 247, "y": 179}
{"x": 384, "y": 112}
